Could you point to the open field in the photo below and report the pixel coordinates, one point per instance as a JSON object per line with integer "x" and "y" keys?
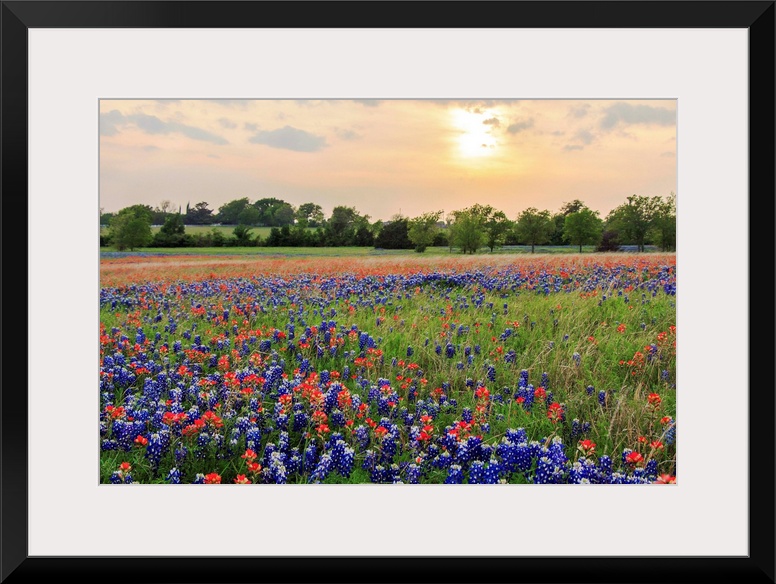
{"x": 398, "y": 367}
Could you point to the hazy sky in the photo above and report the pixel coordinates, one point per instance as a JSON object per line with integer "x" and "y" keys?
{"x": 385, "y": 157}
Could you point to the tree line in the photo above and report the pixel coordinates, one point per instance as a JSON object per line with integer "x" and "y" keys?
{"x": 639, "y": 221}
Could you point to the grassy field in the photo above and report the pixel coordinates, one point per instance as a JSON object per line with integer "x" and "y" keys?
{"x": 402, "y": 368}
{"x": 341, "y": 251}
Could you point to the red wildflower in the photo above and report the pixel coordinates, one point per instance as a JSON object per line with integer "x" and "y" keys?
{"x": 654, "y": 400}
{"x": 242, "y": 480}
{"x": 249, "y": 455}
{"x": 555, "y": 412}
{"x": 586, "y": 446}
{"x": 634, "y": 458}
{"x": 666, "y": 479}
{"x": 212, "y": 479}
{"x": 141, "y": 440}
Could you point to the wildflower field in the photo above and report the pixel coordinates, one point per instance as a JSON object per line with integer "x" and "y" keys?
{"x": 396, "y": 369}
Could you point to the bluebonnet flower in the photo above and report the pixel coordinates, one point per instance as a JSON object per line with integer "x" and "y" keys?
{"x": 476, "y": 472}
{"x": 454, "y": 475}
{"x": 174, "y": 476}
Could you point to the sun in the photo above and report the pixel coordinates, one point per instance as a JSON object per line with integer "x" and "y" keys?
{"x": 474, "y": 138}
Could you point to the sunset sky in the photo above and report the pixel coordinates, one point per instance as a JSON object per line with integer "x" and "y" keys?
{"x": 387, "y": 157}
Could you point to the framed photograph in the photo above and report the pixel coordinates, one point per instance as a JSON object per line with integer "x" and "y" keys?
{"x": 412, "y": 142}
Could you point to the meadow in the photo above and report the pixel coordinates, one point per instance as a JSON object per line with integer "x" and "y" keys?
{"x": 388, "y": 368}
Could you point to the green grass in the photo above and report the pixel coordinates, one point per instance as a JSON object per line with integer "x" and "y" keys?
{"x": 347, "y": 251}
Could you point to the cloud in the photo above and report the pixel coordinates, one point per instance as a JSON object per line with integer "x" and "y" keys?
{"x": 347, "y": 134}
{"x": 213, "y": 156}
{"x": 369, "y": 102}
{"x": 520, "y": 126}
{"x": 231, "y": 103}
{"x": 251, "y": 127}
{"x": 579, "y": 111}
{"x": 492, "y": 122}
{"x": 626, "y": 113}
{"x": 584, "y": 136}
{"x": 151, "y": 148}
{"x": 290, "y": 139}
{"x": 668, "y": 154}
{"x": 109, "y": 123}
{"x": 558, "y": 133}
{"x": 227, "y": 123}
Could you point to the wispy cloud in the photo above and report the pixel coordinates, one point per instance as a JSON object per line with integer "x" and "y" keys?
{"x": 369, "y": 102}
{"x": 520, "y": 126}
{"x": 570, "y": 147}
{"x": 347, "y": 134}
{"x": 627, "y": 113}
{"x": 492, "y": 122}
{"x": 227, "y": 123}
{"x": 290, "y": 138}
{"x": 110, "y": 122}
{"x": 579, "y": 111}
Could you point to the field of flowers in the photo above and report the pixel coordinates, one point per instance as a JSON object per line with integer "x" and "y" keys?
{"x": 442, "y": 370}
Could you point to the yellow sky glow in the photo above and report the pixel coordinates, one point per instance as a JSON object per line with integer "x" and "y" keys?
{"x": 388, "y": 156}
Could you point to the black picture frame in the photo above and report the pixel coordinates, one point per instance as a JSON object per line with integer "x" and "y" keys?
{"x": 19, "y": 16}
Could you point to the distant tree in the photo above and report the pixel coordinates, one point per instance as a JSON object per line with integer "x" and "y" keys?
{"x": 249, "y": 216}
{"x": 309, "y": 215}
{"x": 609, "y": 241}
{"x": 423, "y": 229}
{"x": 583, "y": 227}
{"x": 283, "y": 215}
{"x": 199, "y": 215}
{"x": 172, "y": 233}
{"x": 559, "y": 220}
{"x": 395, "y": 234}
{"x": 634, "y": 219}
{"x": 496, "y": 227}
{"x": 664, "y": 222}
{"x": 228, "y": 213}
{"x": 242, "y": 236}
{"x": 467, "y": 231}
{"x": 131, "y": 227}
{"x": 363, "y": 236}
{"x": 342, "y": 226}
{"x": 534, "y": 227}
{"x": 105, "y": 218}
{"x": 274, "y": 212}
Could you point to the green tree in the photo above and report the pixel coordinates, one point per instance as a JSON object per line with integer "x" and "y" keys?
{"x": 496, "y": 227}
{"x": 467, "y": 231}
{"x": 249, "y": 216}
{"x": 172, "y": 233}
{"x": 309, "y": 215}
{"x": 559, "y": 219}
{"x": 634, "y": 219}
{"x": 131, "y": 227}
{"x": 242, "y": 236}
{"x": 228, "y": 213}
{"x": 583, "y": 227}
{"x": 283, "y": 214}
{"x": 534, "y": 227}
{"x": 423, "y": 229}
{"x": 664, "y": 222}
{"x": 394, "y": 234}
{"x": 200, "y": 214}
